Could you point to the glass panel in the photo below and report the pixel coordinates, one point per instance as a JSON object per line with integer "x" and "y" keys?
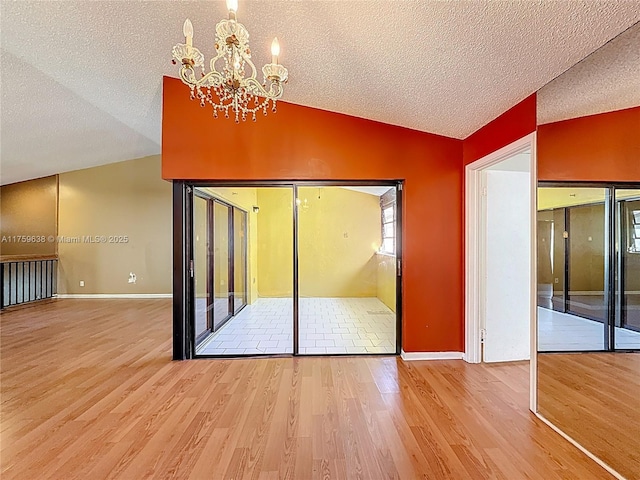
{"x": 627, "y": 321}
{"x": 347, "y": 289}
{"x": 262, "y": 254}
{"x": 388, "y": 214}
{"x": 586, "y": 295}
{"x": 239, "y": 259}
{"x": 388, "y": 246}
{"x": 200, "y": 252}
{"x": 571, "y": 238}
{"x": 389, "y": 230}
{"x": 221, "y": 255}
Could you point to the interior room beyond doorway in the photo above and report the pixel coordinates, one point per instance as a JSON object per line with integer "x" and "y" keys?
{"x": 345, "y": 255}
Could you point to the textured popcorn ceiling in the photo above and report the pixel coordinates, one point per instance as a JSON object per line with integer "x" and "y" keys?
{"x": 607, "y": 80}
{"x": 81, "y": 80}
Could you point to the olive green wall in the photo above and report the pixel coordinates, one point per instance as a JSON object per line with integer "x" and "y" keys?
{"x": 29, "y": 209}
{"x": 127, "y": 206}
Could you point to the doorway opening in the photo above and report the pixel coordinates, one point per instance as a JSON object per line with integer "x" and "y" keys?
{"x": 500, "y": 261}
{"x": 302, "y": 268}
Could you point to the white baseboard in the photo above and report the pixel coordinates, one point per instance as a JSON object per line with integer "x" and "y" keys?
{"x": 410, "y": 356}
{"x": 113, "y": 295}
{"x": 467, "y": 359}
{"x": 581, "y": 448}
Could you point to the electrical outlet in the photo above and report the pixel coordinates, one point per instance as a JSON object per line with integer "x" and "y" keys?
{"x": 82, "y": 283}
{"x": 132, "y": 277}
{"x": 555, "y": 280}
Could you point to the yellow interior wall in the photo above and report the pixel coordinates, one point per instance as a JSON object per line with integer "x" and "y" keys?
{"x": 557, "y": 197}
{"x": 339, "y": 235}
{"x": 244, "y": 198}
{"x": 116, "y": 200}
{"x": 387, "y": 280}
{"x": 275, "y": 242}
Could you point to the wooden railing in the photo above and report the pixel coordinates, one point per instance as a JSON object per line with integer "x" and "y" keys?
{"x": 27, "y": 278}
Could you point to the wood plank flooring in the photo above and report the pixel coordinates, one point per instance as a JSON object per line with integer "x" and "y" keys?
{"x": 595, "y": 399}
{"x": 89, "y": 391}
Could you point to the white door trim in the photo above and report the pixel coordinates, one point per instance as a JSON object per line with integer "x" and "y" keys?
{"x": 475, "y": 219}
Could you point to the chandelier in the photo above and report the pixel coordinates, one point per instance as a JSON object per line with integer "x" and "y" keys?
{"x": 227, "y": 86}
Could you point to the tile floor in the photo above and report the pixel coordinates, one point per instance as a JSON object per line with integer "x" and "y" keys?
{"x": 327, "y": 326}
{"x": 565, "y": 332}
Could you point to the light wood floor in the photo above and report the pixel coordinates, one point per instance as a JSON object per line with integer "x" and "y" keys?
{"x": 89, "y": 392}
{"x": 595, "y": 399}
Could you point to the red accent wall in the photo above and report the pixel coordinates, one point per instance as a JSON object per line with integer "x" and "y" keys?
{"x": 300, "y": 143}
{"x": 603, "y": 147}
{"x": 515, "y": 123}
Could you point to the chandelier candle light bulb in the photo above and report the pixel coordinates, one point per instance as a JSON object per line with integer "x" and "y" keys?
{"x": 231, "y": 83}
{"x": 275, "y": 51}
{"x": 232, "y": 6}
{"x": 187, "y": 29}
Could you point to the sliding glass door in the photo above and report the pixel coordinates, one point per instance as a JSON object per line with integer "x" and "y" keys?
{"x": 588, "y": 268}
{"x": 251, "y": 270}
{"x": 219, "y": 263}
{"x": 347, "y": 269}
{"x": 298, "y": 268}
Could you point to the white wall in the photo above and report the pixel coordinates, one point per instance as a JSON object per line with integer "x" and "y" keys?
{"x": 508, "y": 260}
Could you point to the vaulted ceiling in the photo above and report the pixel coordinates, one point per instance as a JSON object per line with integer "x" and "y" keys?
{"x": 81, "y": 80}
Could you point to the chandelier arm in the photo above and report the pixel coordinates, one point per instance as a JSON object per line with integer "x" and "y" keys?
{"x": 254, "y": 72}
{"x": 255, "y": 87}
{"x": 187, "y": 75}
{"x": 212, "y": 63}
{"x": 211, "y": 79}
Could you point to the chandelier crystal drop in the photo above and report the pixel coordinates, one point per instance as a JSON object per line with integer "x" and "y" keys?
{"x": 227, "y": 87}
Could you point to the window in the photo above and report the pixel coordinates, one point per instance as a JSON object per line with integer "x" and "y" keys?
{"x": 388, "y": 211}
{"x": 634, "y": 231}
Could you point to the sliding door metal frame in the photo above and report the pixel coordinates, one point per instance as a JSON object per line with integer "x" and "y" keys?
{"x": 209, "y": 267}
{"x": 294, "y": 184}
{"x": 182, "y": 281}
{"x": 612, "y": 269}
{"x": 399, "y": 263}
{"x": 296, "y": 276}
{"x": 609, "y": 268}
{"x": 565, "y": 283}
{"x": 231, "y": 269}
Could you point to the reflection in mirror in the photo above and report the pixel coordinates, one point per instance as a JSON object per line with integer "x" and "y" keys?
{"x": 627, "y": 301}
{"x": 571, "y": 274}
{"x": 588, "y": 254}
